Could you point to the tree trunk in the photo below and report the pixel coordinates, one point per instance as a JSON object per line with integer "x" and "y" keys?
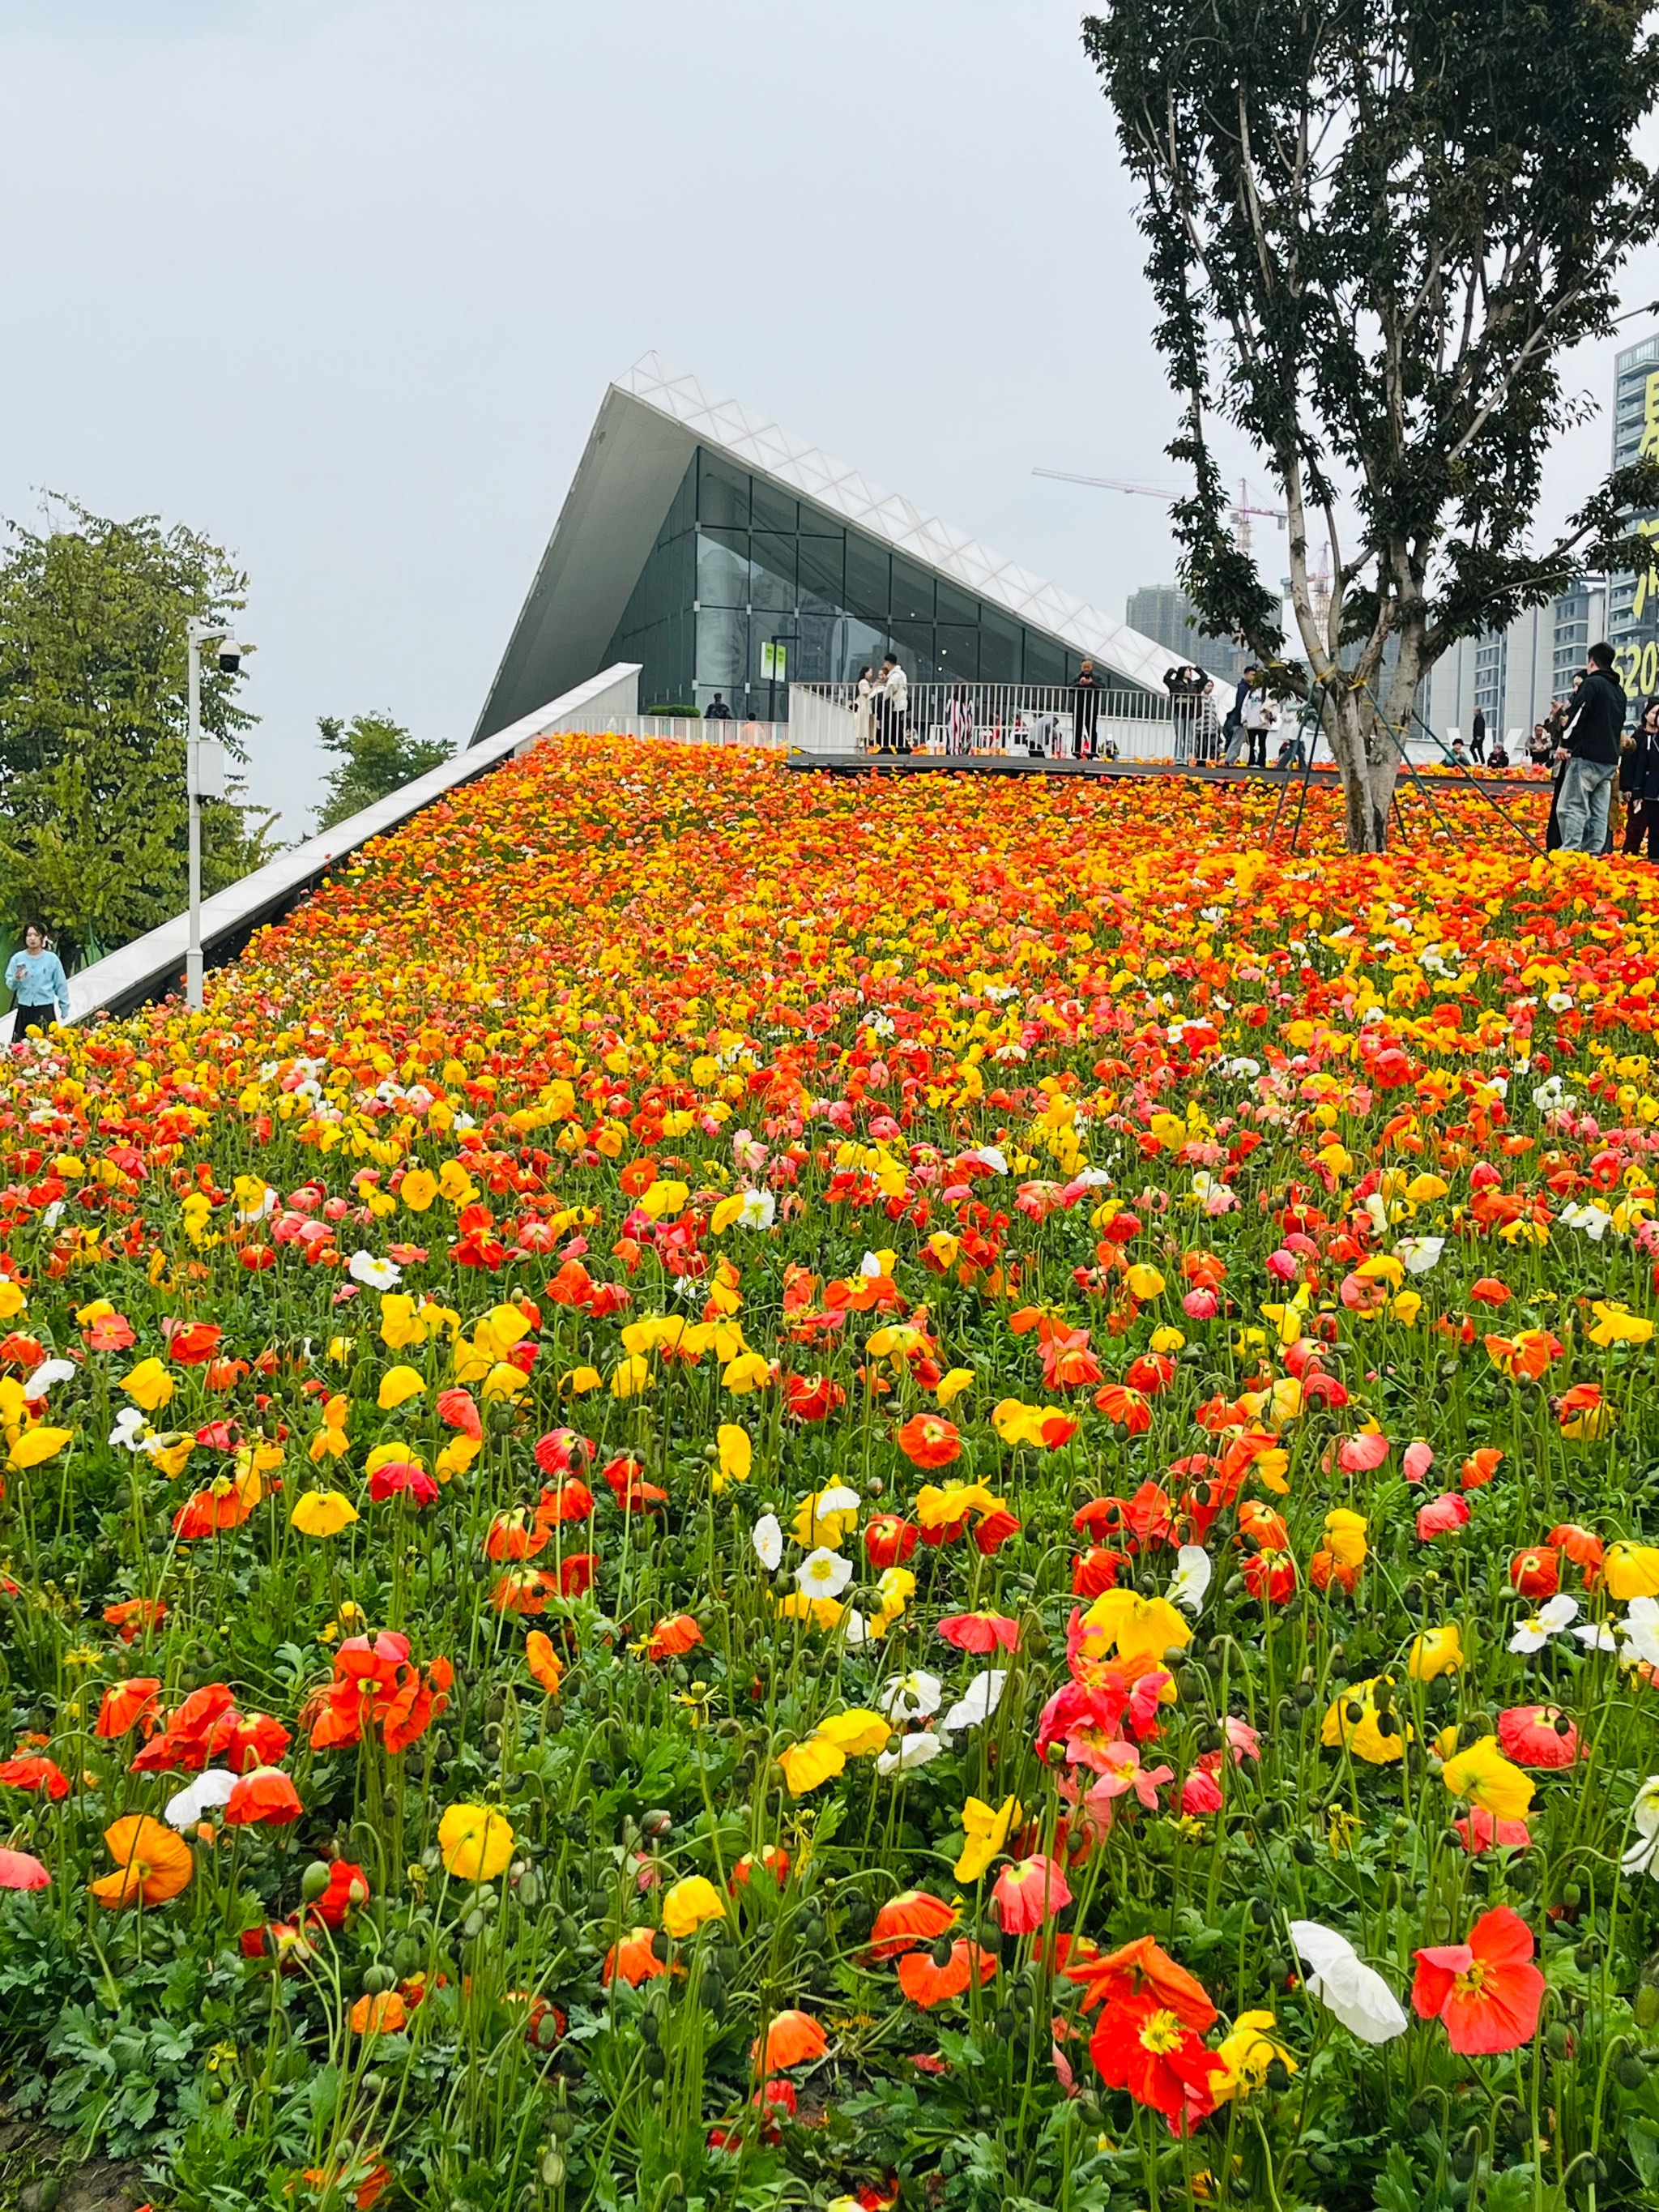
{"x": 1349, "y": 723}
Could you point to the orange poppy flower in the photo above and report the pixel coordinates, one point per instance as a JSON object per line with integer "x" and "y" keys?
{"x": 133, "y": 1615}
{"x": 152, "y": 1863}
{"x": 633, "y": 1959}
{"x": 1479, "y": 1466}
{"x": 1145, "y": 1968}
{"x": 383, "y": 2015}
{"x": 513, "y": 1536}
{"x": 670, "y": 1639}
{"x": 792, "y": 2039}
{"x": 906, "y": 1921}
{"x": 543, "y": 1661}
{"x": 927, "y": 1985}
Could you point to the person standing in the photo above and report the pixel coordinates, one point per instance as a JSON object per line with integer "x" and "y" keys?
{"x": 717, "y": 710}
{"x": 1478, "y": 736}
{"x": 37, "y": 985}
{"x": 1233, "y": 729}
{"x": 959, "y": 722}
{"x": 1590, "y": 753}
{"x": 892, "y": 706}
{"x": 863, "y": 710}
{"x": 1638, "y": 780}
{"x": 1258, "y": 716}
{"x": 1085, "y": 712}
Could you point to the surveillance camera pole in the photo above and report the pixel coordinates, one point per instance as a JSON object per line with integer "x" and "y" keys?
{"x": 198, "y": 632}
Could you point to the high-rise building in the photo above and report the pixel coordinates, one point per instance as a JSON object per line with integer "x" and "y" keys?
{"x": 1514, "y": 675}
{"x": 1633, "y": 599}
{"x": 1165, "y": 612}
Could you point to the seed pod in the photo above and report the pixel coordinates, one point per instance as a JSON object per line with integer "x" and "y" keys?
{"x": 314, "y": 1880}
{"x": 553, "y": 2168}
{"x": 529, "y": 1889}
{"x": 474, "y": 1925}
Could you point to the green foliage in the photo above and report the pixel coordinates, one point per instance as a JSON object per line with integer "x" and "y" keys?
{"x": 377, "y": 757}
{"x": 1374, "y": 229}
{"x": 93, "y": 811}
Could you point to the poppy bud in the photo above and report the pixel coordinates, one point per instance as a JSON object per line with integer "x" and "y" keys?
{"x": 314, "y": 1880}
{"x": 660, "y": 1945}
{"x": 553, "y": 2168}
{"x": 1633, "y": 2074}
{"x": 941, "y": 1953}
{"x": 1279, "y": 2074}
{"x": 377, "y": 1980}
{"x": 1646, "y": 2006}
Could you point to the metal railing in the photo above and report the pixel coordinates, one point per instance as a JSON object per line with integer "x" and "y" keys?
{"x": 685, "y": 729}
{"x": 1046, "y": 720}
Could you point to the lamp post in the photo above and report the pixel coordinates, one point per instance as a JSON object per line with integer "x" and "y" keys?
{"x": 204, "y": 773}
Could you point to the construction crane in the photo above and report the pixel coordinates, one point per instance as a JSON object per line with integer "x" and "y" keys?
{"x": 1241, "y": 512}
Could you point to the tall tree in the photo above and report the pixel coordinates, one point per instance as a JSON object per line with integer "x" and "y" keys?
{"x": 1375, "y": 226}
{"x": 93, "y": 811}
{"x": 376, "y": 756}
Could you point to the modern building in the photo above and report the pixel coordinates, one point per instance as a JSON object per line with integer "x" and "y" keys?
{"x": 1164, "y": 613}
{"x": 1514, "y": 675}
{"x": 724, "y": 555}
{"x": 1633, "y": 621}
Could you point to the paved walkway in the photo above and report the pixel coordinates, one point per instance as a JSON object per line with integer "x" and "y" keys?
{"x": 1018, "y": 764}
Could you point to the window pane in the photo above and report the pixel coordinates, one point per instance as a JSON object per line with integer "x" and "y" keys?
{"x": 912, "y": 591}
{"x": 998, "y": 647}
{"x": 723, "y": 567}
{"x": 914, "y": 642}
{"x": 722, "y": 493}
{"x": 955, "y": 648}
{"x": 866, "y": 578}
{"x": 722, "y": 653}
{"x": 771, "y": 510}
{"x": 1045, "y": 662}
{"x": 955, "y": 605}
{"x": 822, "y": 580}
{"x": 772, "y": 564}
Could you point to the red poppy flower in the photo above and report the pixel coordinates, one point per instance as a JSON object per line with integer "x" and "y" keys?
{"x": 1144, "y": 1968}
{"x": 792, "y": 2039}
{"x": 31, "y": 1772}
{"x": 1029, "y": 1893}
{"x": 458, "y": 1409}
{"x": 928, "y": 1441}
{"x": 993, "y": 1530}
{"x": 1538, "y": 1736}
{"x": 889, "y": 1540}
{"x": 1153, "y": 1372}
{"x": 561, "y": 1450}
{"x": 347, "y": 1886}
{"x": 812, "y": 1397}
{"x": 1441, "y": 1515}
{"x": 403, "y": 1478}
{"x": 1095, "y": 1571}
{"x": 1142, "y": 2047}
{"x": 127, "y": 1703}
{"x": 1487, "y": 1291}
{"x": 1129, "y": 1408}
{"x": 1536, "y": 1573}
{"x": 576, "y": 1574}
{"x": 265, "y": 1797}
{"x": 1487, "y": 1991}
{"x": 771, "y": 1858}
{"x": 1270, "y": 1576}
{"x": 193, "y": 1343}
{"x": 22, "y": 1870}
{"x": 1581, "y": 1546}
{"x": 633, "y": 1959}
{"x": 1480, "y": 1831}
{"x": 927, "y": 1984}
{"x": 980, "y": 1631}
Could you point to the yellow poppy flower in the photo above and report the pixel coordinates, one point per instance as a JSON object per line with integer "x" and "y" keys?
{"x": 476, "y": 1842}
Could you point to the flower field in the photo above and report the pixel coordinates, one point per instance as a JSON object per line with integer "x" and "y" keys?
{"x": 752, "y": 1490}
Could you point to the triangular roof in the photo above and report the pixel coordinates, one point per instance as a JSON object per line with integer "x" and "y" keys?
{"x": 647, "y": 427}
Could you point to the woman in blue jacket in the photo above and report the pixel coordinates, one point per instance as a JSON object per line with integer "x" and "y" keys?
{"x": 37, "y": 982}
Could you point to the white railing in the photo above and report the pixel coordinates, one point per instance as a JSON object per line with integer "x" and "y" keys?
{"x": 1056, "y": 721}
{"x": 684, "y": 729}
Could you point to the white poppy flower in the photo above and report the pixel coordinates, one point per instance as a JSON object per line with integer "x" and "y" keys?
{"x": 767, "y": 1538}
{"x": 267, "y": 1204}
{"x": 1594, "y": 1220}
{"x": 205, "y": 1795}
{"x": 838, "y": 1499}
{"x": 378, "y": 1274}
{"x": 993, "y": 1157}
{"x": 913, "y": 1696}
{"x": 128, "y": 1434}
{"x": 977, "y": 1702}
{"x": 824, "y": 1573}
{"x": 759, "y": 1209}
{"x": 1356, "y": 1993}
{"x": 1596, "y": 1635}
{"x": 1640, "y": 1630}
{"x": 855, "y": 1628}
{"x": 912, "y": 1750}
{"x": 47, "y": 1375}
{"x": 1549, "y": 1620}
{"x": 1642, "y": 1856}
{"x": 1193, "y": 1568}
{"x": 1418, "y": 1254}
{"x": 871, "y": 1265}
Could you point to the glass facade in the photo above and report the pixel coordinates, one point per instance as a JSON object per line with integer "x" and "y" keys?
{"x": 1165, "y": 612}
{"x": 1633, "y": 600}
{"x": 749, "y": 589}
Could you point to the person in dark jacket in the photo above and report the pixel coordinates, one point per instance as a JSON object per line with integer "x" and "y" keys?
{"x": 1639, "y": 783}
{"x": 1085, "y": 711}
{"x": 1592, "y": 755}
{"x": 1478, "y": 736}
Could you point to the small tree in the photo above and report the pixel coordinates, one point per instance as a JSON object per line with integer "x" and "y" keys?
{"x": 1375, "y": 226}
{"x": 377, "y": 757}
{"x": 93, "y": 811}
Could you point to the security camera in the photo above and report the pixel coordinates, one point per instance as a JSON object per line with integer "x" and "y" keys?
{"x": 231, "y": 655}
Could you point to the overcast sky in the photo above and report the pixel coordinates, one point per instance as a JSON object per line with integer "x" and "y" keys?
{"x": 341, "y": 282}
